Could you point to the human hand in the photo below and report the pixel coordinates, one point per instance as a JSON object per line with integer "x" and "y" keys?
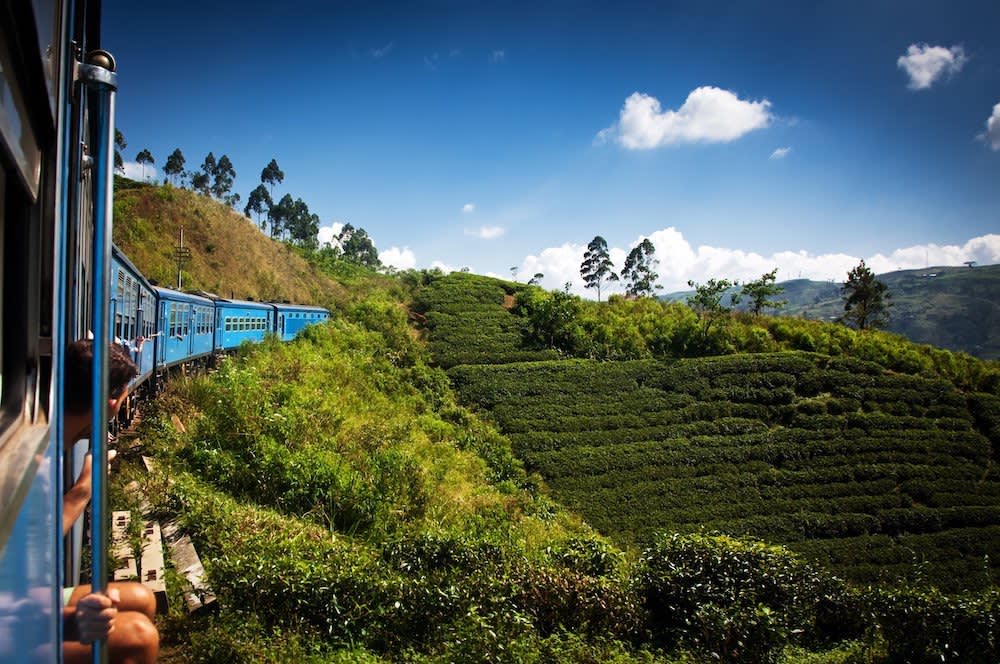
{"x": 95, "y": 615}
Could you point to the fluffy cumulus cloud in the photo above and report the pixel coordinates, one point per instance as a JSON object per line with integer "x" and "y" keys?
{"x": 992, "y": 133}
{"x": 926, "y": 64}
{"x": 708, "y": 115}
{"x": 327, "y": 234}
{"x": 401, "y": 259}
{"x": 468, "y": 208}
{"x": 135, "y": 171}
{"x": 780, "y": 153}
{"x": 679, "y": 262}
{"x": 486, "y": 232}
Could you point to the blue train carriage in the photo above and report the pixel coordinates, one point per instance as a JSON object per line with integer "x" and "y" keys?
{"x": 237, "y": 321}
{"x": 133, "y": 316}
{"x": 184, "y": 328}
{"x": 292, "y": 318}
{"x": 48, "y": 217}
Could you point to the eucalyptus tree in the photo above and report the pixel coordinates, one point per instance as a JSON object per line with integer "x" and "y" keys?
{"x": 143, "y": 158}
{"x": 272, "y": 175}
{"x": 638, "y": 273}
{"x": 222, "y": 177}
{"x": 259, "y": 203}
{"x": 175, "y": 164}
{"x": 597, "y": 266}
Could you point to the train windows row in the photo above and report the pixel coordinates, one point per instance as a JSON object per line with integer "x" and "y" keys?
{"x": 237, "y": 323}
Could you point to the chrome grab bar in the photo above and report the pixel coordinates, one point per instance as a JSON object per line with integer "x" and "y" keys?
{"x": 97, "y": 76}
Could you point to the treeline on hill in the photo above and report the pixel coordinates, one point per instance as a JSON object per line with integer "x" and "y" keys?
{"x": 285, "y": 219}
{"x": 347, "y": 509}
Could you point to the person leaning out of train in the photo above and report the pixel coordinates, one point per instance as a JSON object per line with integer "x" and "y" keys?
{"x": 124, "y": 615}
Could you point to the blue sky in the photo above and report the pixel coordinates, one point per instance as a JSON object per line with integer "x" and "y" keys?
{"x": 738, "y": 137}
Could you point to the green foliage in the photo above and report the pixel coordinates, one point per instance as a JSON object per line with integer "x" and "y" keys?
{"x": 866, "y": 299}
{"x": 739, "y": 600}
{"x": 639, "y": 271}
{"x": 175, "y": 165}
{"x": 760, "y": 290}
{"x": 597, "y": 266}
{"x": 830, "y": 455}
{"x": 357, "y": 247}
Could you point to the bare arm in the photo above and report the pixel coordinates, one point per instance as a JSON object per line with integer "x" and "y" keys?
{"x": 75, "y": 500}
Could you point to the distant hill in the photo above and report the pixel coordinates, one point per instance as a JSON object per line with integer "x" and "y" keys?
{"x": 956, "y": 308}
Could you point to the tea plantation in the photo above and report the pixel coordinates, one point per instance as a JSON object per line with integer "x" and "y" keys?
{"x": 876, "y": 475}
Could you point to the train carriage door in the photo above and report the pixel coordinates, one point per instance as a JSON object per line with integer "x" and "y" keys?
{"x": 161, "y": 342}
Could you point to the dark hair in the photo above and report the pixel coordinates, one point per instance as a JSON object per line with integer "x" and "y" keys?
{"x": 80, "y": 359}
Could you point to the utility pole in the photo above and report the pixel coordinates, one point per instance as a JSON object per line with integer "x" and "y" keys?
{"x": 183, "y": 255}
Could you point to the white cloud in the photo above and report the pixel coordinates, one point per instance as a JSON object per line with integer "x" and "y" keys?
{"x": 992, "y": 133}
{"x": 780, "y": 153}
{"x": 468, "y": 208}
{"x": 680, "y": 262}
{"x": 926, "y": 64}
{"x": 446, "y": 267}
{"x": 401, "y": 259}
{"x": 430, "y": 61}
{"x": 327, "y": 234}
{"x": 134, "y": 171}
{"x": 558, "y": 264}
{"x": 454, "y": 53}
{"x": 497, "y": 56}
{"x": 708, "y": 115}
{"x": 984, "y": 250}
{"x": 379, "y": 53}
{"x": 486, "y": 232}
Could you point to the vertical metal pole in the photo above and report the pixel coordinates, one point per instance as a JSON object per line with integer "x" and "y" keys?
{"x": 98, "y": 75}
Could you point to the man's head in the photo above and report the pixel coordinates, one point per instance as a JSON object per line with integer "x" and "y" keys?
{"x": 79, "y": 360}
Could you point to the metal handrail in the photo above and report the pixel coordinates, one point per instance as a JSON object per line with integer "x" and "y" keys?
{"x": 98, "y": 76}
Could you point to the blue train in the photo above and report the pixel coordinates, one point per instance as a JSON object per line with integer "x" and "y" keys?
{"x": 164, "y": 328}
{"x": 61, "y": 280}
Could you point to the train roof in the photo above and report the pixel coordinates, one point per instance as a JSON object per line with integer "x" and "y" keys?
{"x": 249, "y": 304}
{"x": 170, "y": 294}
{"x": 285, "y": 306}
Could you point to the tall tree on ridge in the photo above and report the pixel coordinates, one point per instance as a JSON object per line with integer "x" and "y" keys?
{"x": 638, "y": 273}
{"x": 259, "y": 203}
{"x": 272, "y": 175}
{"x": 222, "y": 177}
{"x": 143, "y": 158}
{"x": 597, "y": 265}
{"x": 175, "y": 164}
{"x": 866, "y": 299}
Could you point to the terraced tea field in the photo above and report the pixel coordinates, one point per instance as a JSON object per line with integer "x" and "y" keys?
{"x": 875, "y": 474}
{"x": 878, "y": 475}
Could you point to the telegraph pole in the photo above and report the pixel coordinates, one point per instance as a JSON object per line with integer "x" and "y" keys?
{"x": 183, "y": 255}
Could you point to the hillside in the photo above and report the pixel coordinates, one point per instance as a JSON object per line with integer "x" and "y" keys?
{"x": 874, "y": 473}
{"x": 229, "y": 255}
{"x": 350, "y": 507}
{"x": 956, "y": 308}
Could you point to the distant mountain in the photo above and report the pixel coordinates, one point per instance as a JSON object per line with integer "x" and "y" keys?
{"x": 957, "y": 308}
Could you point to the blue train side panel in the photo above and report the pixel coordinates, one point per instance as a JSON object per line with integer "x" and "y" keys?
{"x": 293, "y": 318}
{"x": 184, "y": 327}
{"x": 237, "y": 321}
{"x": 133, "y": 314}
